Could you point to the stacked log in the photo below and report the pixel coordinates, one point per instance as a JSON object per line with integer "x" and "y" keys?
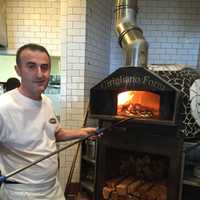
{"x": 122, "y": 187}
{"x": 157, "y": 192}
{"x": 132, "y": 189}
{"x": 144, "y": 167}
{"x": 145, "y": 187}
{"x": 110, "y": 187}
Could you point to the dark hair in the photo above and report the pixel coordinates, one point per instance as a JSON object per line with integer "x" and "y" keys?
{"x": 12, "y": 83}
{"x": 33, "y": 47}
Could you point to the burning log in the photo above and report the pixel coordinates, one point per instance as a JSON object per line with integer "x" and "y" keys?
{"x": 140, "y": 104}
{"x": 136, "y": 111}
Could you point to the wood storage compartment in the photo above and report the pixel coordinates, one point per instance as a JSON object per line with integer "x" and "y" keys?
{"x": 141, "y": 176}
{"x": 142, "y": 158}
{"x": 136, "y": 189}
{"x": 139, "y": 164}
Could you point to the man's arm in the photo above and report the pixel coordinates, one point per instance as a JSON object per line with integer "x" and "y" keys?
{"x": 67, "y": 134}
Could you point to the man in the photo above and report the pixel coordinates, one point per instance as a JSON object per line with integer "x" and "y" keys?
{"x": 29, "y": 130}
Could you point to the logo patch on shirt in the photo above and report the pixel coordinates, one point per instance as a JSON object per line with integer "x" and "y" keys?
{"x": 52, "y": 121}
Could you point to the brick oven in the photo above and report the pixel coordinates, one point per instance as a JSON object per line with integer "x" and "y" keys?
{"x": 140, "y": 159}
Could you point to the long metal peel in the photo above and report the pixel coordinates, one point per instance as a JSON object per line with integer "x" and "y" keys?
{"x": 97, "y": 132}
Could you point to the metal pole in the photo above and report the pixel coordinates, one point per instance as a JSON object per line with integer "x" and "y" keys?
{"x": 4, "y": 178}
{"x": 97, "y": 132}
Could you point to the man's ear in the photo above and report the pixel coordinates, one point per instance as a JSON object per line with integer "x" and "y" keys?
{"x": 17, "y": 70}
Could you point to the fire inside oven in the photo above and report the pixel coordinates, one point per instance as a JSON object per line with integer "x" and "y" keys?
{"x": 140, "y": 104}
{"x": 137, "y": 93}
{"x": 135, "y": 175}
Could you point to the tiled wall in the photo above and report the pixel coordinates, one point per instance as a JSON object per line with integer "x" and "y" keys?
{"x": 98, "y": 27}
{"x": 84, "y": 61}
{"x": 60, "y": 27}
{"x": 172, "y": 29}
{"x": 72, "y": 77}
{"x": 3, "y": 34}
{"x": 35, "y": 21}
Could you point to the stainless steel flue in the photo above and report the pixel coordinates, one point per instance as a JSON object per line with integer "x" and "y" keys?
{"x": 130, "y": 36}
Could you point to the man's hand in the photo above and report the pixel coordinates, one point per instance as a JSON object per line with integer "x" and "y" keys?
{"x": 87, "y": 131}
{"x": 66, "y": 134}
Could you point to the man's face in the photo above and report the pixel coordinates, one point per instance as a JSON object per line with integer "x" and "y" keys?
{"x": 34, "y": 70}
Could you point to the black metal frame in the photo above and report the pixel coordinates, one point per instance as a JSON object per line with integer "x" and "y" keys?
{"x": 156, "y": 136}
{"x": 103, "y": 96}
{"x": 151, "y": 139}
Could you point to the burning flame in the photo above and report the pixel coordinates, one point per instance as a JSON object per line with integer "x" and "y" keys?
{"x": 139, "y": 104}
{"x": 125, "y": 97}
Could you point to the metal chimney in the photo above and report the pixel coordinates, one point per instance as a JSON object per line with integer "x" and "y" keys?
{"x": 130, "y": 36}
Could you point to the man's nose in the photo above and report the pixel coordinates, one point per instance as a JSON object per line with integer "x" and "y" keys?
{"x": 39, "y": 71}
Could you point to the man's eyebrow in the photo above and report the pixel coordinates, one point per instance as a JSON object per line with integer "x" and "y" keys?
{"x": 34, "y": 63}
{"x": 30, "y": 63}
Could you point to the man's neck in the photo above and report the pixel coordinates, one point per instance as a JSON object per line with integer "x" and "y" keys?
{"x": 26, "y": 94}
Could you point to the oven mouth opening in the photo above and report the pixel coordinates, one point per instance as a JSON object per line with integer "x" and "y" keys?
{"x": 140, "y": 104}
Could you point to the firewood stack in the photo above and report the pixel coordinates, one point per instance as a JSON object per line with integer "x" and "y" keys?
{"x": 130, "y": 188}
{"x": 144, "y": 167}
{"x": 141, "y": 177}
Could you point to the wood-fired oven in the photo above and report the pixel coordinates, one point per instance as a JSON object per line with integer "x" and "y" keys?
{"x": 141, "y": 158}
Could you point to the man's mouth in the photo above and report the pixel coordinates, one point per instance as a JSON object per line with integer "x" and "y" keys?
{"x": 39, "y": 82}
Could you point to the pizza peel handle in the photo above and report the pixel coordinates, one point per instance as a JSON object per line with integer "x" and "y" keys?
{"x": 97, "y": 132}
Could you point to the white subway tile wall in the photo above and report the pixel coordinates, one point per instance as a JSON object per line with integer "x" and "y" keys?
{"x": 84, "y": 62}
{"x": 98, "y": 27}
{"x": 35, "y": 21}
{"x": 72, "y": 78}
{"x": 172, "y": 30}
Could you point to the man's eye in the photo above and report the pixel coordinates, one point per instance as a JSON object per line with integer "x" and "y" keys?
{"x": 44, "y": 67}
{"x": 31, "y": 66}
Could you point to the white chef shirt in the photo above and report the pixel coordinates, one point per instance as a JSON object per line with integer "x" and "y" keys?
{"x": 27, "y": 132}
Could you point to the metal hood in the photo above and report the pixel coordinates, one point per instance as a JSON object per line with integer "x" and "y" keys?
{"x": 130, "y": 36}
